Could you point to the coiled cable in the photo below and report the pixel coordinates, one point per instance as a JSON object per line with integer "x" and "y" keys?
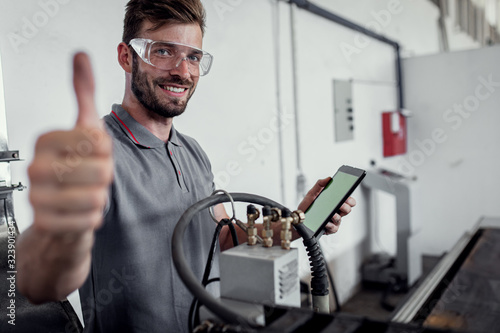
{"x": 319, "y": 287}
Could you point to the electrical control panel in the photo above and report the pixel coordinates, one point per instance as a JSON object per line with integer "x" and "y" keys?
{"x": 343, "y": 110}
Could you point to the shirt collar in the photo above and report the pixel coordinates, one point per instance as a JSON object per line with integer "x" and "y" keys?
{"x": 138, "y": 133}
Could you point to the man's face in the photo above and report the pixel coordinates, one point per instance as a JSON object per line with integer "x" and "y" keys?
{"x": 166, "y": 92}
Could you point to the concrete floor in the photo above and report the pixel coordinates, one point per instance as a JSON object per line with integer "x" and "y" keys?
{"x": 367, "y": 302}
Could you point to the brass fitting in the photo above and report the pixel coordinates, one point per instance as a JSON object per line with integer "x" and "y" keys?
{"x": 269, "y": 215}
{"x": 286, "y": 232}
{"x": 252, "y": 215}
{"x": 276, "y": 214}
{"x": 267, "y": 232}
{"x": 298, "y": 217}
{"x": 252, "y": 236}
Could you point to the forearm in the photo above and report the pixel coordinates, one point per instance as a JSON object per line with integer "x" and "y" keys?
{"x": 51, "y": 267}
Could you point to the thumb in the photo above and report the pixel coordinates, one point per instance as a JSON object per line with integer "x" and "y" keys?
{"x": 313, "y": 193}
{"x": 83, "y": 82}
{"x": 318, "y": 187}
{"x": 320, "y": 184}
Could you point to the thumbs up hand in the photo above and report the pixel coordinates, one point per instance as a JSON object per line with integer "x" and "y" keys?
{"x": 83, "y": 82}
{"x": 71, "y": 170}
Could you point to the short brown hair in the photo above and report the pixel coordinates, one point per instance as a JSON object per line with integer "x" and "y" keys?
{"x": 160, "y": 12}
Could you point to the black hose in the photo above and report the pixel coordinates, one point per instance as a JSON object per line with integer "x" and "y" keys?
{"x": 332, "y": 287}
{"x": 208, "y": 268}
{"x": 191, "y": 318}
{"x": 210, "y": 260}
{"x": 206, "y": 275}
{"x": 334, "y": 291}
{"x": 212, "y": 281}
{"x": 233, "y": 234}
{"x": 319, "y": 282}
{"x": 183, "y": 269}
{"x": 194, "y": 320}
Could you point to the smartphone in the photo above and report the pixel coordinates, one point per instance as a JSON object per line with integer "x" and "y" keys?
{"x": 329, "y": 201}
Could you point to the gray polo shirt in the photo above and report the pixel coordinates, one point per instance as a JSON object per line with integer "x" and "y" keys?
{"x": 133, "y": 285}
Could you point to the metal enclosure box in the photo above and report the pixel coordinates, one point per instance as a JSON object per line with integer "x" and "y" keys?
{"x": 260, "y": 275}
{"x": 343, "y": 110}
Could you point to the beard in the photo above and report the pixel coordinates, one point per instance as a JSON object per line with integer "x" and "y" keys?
{"x": 145, "y": 93}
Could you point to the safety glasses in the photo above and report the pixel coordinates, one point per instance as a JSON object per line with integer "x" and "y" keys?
{"x": 170, "y": 55}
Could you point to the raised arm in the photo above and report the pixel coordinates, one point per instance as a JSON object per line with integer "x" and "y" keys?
{"x": 69, "y": 179}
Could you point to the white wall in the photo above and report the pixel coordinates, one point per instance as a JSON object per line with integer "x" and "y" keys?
{"x": 235, "y": 104}
{"x": 453, "y": 141}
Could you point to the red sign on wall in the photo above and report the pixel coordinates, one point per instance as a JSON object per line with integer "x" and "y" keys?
{"x": 394, "y": 133}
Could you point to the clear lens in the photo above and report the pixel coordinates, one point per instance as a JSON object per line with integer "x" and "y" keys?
{"x": 169, "y": 55}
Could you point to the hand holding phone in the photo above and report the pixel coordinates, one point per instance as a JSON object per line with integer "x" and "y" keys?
{"x": 329, "y": 201}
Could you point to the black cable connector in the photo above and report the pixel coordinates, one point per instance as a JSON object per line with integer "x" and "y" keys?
{"x": 266, "y": 211}
{"x": 251, "y": 209}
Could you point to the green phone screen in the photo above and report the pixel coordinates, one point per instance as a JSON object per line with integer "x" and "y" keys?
{"x": 329, "y": 199}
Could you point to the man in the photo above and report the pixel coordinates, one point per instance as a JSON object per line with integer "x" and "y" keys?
{"x": 106, "y": 200}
